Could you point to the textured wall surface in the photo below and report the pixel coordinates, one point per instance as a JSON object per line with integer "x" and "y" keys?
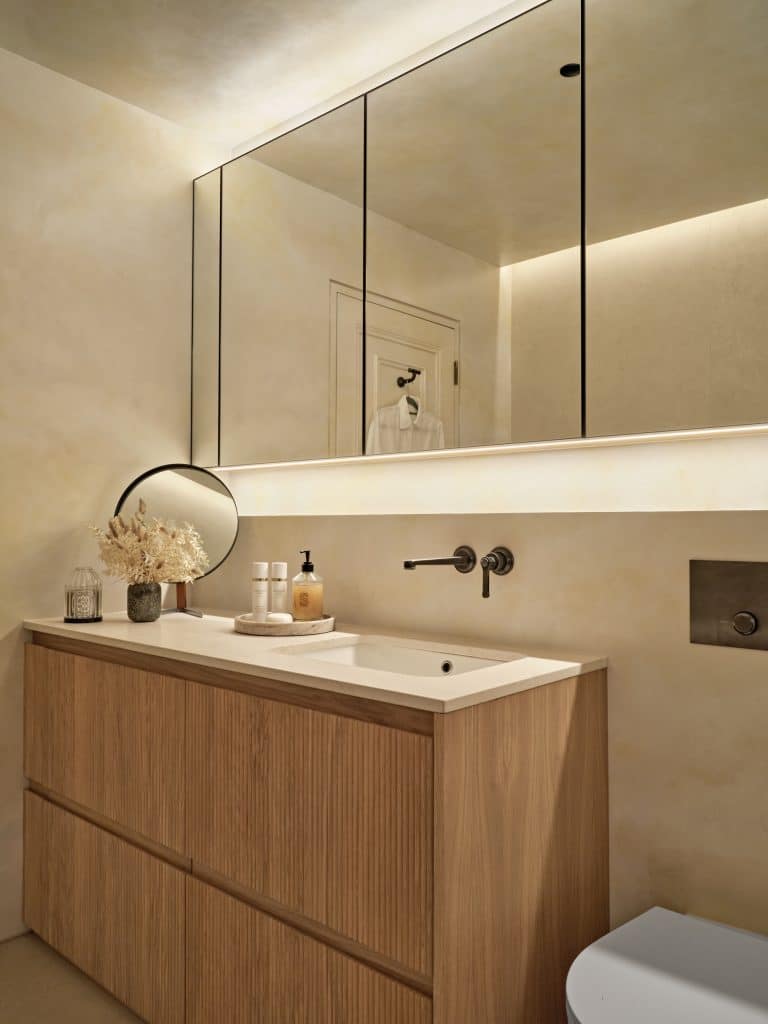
{"x": 94, "y": 338}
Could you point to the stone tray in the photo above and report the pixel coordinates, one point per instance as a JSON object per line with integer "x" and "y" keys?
{"x": 245, "y": 624}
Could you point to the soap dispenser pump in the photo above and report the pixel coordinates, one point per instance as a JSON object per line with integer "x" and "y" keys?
{"x": 307, "y": 592}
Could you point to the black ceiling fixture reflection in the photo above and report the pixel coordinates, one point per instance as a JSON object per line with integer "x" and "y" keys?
{"x": 570, "y": 70}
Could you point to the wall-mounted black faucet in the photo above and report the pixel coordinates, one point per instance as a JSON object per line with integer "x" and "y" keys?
{"x": 499, "y": 561}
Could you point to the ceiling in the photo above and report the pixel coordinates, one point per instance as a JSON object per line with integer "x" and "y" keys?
{"x": 480, "y": 148}
{"x": 231, "y": 69}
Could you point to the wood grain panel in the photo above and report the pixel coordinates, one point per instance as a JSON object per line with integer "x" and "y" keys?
{"x": 244, "y": 967}
{"x": 315, "y": 930}
{"x": 363, "y": 708}
{"x": 521, "y": 851}
{"x": 49, "y": 710}
{"x": 111, "y": 909}
{"x": 108, "y": 737}
{"x": 108, "y": 824}
{"x": 328, "y": 816}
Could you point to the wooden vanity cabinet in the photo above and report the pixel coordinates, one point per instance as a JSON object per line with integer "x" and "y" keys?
{"x": 339, "y": 860}
{"x": 112, "y": 909}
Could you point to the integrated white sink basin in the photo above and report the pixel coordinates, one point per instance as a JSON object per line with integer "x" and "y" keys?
{"x": 387, "y": 654}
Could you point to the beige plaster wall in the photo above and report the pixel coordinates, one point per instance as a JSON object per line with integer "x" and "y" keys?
{"x": 688, "y": 756}
{"x": 94, "y": 338}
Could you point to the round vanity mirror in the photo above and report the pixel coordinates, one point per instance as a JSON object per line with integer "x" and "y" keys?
{"x": 180, "y": 493}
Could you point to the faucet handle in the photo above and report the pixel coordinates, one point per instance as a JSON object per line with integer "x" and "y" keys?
{"x": 499, "y": 561}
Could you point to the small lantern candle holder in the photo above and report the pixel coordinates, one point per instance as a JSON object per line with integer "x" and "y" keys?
{"x": 83, "y": 596}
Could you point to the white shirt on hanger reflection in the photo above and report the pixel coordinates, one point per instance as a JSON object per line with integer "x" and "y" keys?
{"x": 404, "y": 427}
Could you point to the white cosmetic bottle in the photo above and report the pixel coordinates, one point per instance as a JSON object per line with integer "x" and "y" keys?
{"x": 259, "y": 591}
{"x": 279, "y": 588}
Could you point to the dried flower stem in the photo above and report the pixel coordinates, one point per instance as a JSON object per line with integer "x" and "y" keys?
{"x": 151, "y": 550}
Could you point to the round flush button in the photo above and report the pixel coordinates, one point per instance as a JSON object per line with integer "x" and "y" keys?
{"x": 745, "y": 623}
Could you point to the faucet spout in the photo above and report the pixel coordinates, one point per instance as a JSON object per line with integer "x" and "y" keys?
{"x": 463, "y": 559}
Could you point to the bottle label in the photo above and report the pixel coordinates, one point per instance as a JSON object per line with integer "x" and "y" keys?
{"x": 308, "y": 603}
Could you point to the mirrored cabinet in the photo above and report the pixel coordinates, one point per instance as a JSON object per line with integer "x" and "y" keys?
{"x": 558, "y": 229}
{"x": 676, "y": 215}
{"x": 473, "y": 178}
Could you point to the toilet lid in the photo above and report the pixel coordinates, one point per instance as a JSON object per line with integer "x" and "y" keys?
{"x": 671, "y": 969}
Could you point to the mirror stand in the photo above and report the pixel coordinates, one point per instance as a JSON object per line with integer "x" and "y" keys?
{"x": 181, "y": 603}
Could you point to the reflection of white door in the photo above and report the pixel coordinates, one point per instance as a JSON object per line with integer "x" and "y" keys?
{"x": 399, "y": 337}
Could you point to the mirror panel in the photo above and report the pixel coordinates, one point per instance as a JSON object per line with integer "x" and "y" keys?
{"x": 292, "y": 235}
{"x": 205, "y": 319}
{"x": 473, "y": 233}
{"x": 187, "y": 494}
{"x": 677, "y": 215}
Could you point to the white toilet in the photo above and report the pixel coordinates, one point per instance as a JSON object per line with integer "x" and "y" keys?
{"x": 666, "y": 968}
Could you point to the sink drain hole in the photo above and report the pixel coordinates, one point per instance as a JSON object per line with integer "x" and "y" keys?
{"x": 447, "y": 667}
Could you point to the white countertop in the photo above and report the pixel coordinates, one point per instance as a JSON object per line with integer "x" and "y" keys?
{"x": 213, "y": 642}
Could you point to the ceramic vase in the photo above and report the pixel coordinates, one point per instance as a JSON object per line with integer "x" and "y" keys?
{"x": 143, "y": 602}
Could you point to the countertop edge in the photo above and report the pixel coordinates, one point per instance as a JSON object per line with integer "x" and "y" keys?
{"x": 434, "y": 705}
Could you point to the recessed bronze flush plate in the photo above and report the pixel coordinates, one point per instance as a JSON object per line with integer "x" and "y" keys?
{"x": 729, "y": 604}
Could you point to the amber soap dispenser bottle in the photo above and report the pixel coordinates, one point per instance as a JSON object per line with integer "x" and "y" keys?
{"x": 307, "y": 592}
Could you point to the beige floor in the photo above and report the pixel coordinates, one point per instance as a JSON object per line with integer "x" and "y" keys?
{"x": 37, "y": 986}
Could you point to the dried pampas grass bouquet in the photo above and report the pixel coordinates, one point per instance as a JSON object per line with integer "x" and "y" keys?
{"x": 147, "y": 551}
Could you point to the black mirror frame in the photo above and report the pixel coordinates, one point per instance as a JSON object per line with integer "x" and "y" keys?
{"x": 184, "y": 465}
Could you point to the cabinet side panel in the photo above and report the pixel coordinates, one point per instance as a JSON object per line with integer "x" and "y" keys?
{"x": 244, "y": 966}
{"x": 114, "y": 911}
{"x": 328, "y": 816}
{"x": 521, "y": 850}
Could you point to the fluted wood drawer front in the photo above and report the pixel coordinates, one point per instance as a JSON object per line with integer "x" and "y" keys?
{"x": 245, "y": 967}
{"x": 113, "y": 910}
{"x": 329, "y": 816}
{"x": 108, "y": 737}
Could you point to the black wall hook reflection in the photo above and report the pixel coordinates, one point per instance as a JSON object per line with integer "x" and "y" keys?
{"x": 403, "y": 381}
